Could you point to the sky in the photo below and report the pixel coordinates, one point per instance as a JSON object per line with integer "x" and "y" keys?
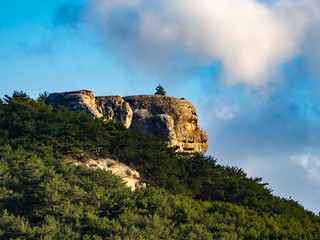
{"x": 250, "y": 67}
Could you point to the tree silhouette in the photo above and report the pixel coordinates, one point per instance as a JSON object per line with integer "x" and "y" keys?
{"x": 42, "y": 97}
{"x": 160, "y": 90}
{"x": 18, "y": 96}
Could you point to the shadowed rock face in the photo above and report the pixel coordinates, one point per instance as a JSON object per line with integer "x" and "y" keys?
{"x": 115, "y": 108}
{"x": 170, "y": 119}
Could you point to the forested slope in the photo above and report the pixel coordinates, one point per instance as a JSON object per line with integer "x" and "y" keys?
{"x": 43, "y": 196}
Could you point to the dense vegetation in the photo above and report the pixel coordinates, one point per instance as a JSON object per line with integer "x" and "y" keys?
{"x": 43, "y": 196}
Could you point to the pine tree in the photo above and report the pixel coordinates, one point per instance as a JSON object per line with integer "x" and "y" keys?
{"x": 42, "y": 97}
{"x": 160, "y": 90}
{"x": 18, "y": 96}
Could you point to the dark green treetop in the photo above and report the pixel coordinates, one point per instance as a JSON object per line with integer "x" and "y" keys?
{"x": 42, "y": 97}
{"x": 160, "y": 90}
{"x": 18, "y": 96}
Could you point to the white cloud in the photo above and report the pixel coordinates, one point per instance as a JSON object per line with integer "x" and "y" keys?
{"x": 226, "y": 111}
{"x": 250, "y": 38}
{"x": 245, "y": 35}
{"x": 310, "y": 163}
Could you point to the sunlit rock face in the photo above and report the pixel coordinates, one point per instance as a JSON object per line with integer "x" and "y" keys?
{"x": 130, "y": 177}
{"x": 75, "y": 101}
{"x": 111, "y": 107}
{"x": 170, "y": 119}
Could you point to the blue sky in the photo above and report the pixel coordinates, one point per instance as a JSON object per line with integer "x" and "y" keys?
{"x": 250, "y": 67}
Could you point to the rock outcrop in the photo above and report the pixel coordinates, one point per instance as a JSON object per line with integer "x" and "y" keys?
{"x": 170, "y": 119}
{"x": 75, "y": 101}
{"x": 129, "y": 176}
{"x": 115, "y": 108}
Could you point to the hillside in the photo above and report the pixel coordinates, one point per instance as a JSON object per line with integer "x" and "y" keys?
{"x": 44, "y": 196}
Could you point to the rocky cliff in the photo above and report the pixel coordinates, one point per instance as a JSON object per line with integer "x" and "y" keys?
{"x": 170, "y": 119}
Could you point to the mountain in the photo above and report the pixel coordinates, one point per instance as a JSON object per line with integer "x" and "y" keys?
{"x": 44, "y": 195}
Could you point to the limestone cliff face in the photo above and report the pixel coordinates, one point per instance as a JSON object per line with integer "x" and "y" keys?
{"x": 129, "y": 176}
{"x": 115, "y": 108}
{"x": 75, "y": 101}
{"x": 170, "y": 119}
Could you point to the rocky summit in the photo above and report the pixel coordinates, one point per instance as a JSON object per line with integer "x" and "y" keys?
{"x": 170, "y": 119}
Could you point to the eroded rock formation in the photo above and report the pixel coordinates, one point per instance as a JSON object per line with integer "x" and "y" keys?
{"x": 75, "y": 101}
{"x": 115, "y": 108}
{"x": 170, "y": 119}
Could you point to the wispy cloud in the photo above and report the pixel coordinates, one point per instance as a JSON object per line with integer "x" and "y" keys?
{"x": 226, "y": 111}
{"x": 311, "y": 164}
{"x": 68, "y": 14}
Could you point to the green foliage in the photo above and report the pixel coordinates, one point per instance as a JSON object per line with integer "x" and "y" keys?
{"x": 160, "y": 90}
{"x": 42, "y": 97}
{"x": 29, "y": 123}
{"x": 17, "y": 96}
{"x": 43, "y": 196}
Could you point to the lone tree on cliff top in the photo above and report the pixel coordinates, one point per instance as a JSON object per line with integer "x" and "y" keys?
{"x": 160, "y": 90}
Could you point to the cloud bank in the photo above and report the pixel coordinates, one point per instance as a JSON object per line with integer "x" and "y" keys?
{"x": 251, "y": 39}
